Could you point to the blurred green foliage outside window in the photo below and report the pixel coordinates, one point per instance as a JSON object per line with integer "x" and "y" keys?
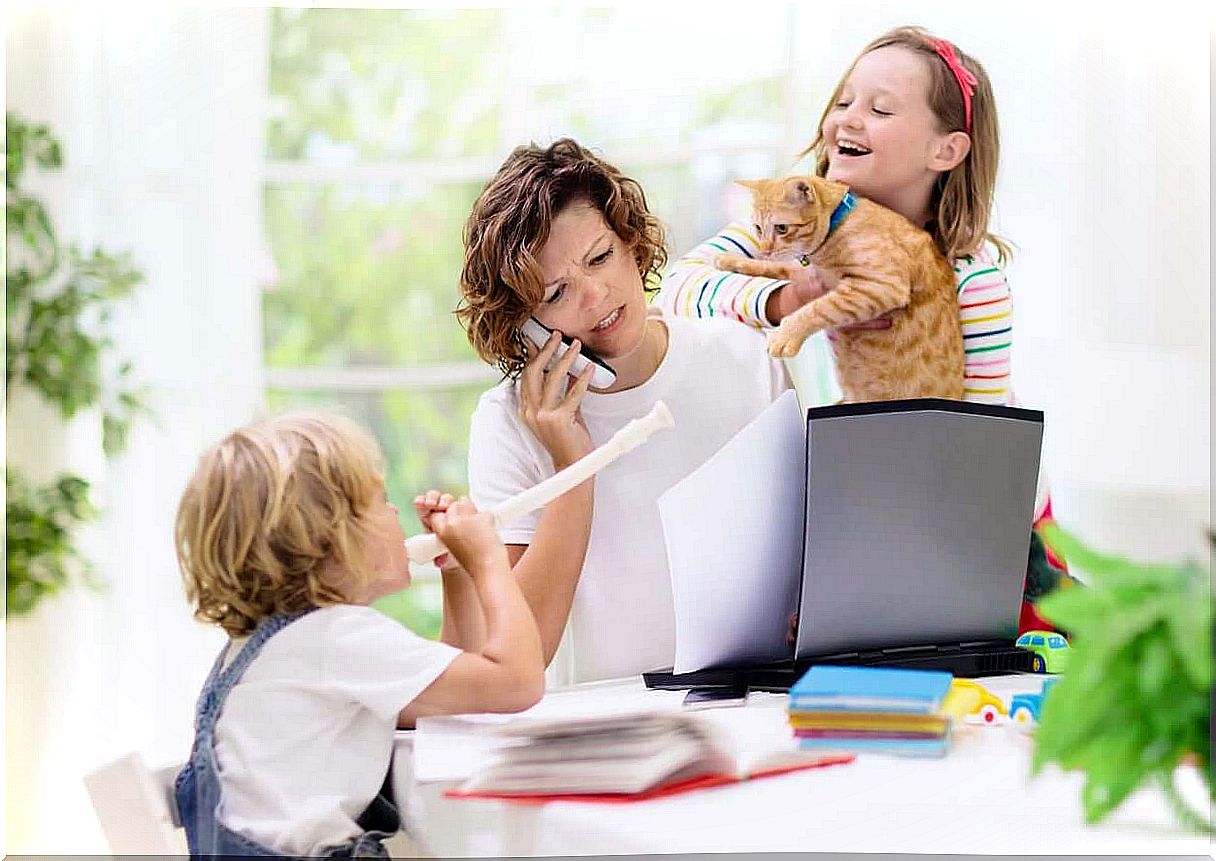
{"x": 383, "y": 126}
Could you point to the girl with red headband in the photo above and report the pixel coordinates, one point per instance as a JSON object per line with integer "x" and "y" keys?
{"x": 912, "y": 125}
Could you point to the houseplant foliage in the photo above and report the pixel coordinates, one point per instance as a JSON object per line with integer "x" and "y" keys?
{"x": 59, "y": 344}
{"x": 1136, "y": 701}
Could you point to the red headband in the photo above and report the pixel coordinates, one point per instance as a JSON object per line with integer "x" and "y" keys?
{"x": 966, "y": 81}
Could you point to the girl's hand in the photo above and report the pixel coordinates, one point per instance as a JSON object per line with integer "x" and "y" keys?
{"x": 471, "y": 537}
{"x": 428, "y": 504}
{"x": 549, "y": 407}
{"x": 806, "y": 285}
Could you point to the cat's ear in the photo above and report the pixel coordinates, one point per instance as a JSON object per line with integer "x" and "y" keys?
{"x": 827, "y": 192}
{"x": 798, "y": 191}
{"x": 750, "y": 184}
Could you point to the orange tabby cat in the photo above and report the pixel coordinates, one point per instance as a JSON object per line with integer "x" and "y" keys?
{"x": 874, "y": 262}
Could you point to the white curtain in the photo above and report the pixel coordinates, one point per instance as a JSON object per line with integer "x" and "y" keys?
{"x": 161, "y": 115}
{"x": 1105, "y": 187}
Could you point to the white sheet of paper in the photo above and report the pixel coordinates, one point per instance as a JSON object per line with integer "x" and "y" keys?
{"x": 734, "y": 544}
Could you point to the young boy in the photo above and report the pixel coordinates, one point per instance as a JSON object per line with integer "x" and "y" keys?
{"x": 284, "y": 536}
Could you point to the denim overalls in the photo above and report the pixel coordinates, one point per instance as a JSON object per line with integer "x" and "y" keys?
{"x": 197, "y": 787}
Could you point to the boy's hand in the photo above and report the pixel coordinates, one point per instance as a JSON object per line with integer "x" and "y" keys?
{"x": 471, "y": 537}
{"x": 426, "y": 505}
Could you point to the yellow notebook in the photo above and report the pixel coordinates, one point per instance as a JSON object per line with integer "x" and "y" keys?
{"x": 876, "y": 721}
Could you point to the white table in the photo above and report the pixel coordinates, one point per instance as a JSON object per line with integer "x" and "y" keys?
{"x": 978, "y": 799}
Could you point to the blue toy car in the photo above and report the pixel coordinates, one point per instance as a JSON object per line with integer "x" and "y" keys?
{"x": 1024, "y": 709}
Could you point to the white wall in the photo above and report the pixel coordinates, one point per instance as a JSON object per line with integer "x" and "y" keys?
{"x": 161, "y": 117}
{"x": 1107, "y": 190}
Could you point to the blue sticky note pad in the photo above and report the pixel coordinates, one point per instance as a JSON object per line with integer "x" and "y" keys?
{"x": 935, "y": 747}
{"x": 828, "y": 687}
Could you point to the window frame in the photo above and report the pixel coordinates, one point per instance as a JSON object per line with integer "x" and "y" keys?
{"x": 513, "y": 106}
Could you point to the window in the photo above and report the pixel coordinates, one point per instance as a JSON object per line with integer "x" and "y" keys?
{"x": 383, "y": 127}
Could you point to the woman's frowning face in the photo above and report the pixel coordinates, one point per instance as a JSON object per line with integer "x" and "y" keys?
{"x": 593, "y": 290}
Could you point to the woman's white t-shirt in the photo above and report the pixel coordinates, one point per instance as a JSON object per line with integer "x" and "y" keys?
{"x": 716, "y": 377}
{"x": 304, "y": 739}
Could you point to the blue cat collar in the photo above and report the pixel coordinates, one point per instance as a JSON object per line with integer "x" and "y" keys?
{"x": 842, "y": 209}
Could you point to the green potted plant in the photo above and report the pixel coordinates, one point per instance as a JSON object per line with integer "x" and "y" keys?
{"x": 1136, "y": 702}
{"x": 59, "y": 344}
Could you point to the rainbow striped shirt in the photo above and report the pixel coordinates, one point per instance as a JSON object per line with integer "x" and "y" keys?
{"x": 692, "y": 287}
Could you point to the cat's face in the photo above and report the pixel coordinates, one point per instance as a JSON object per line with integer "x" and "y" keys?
{"x": 792, "y": 214}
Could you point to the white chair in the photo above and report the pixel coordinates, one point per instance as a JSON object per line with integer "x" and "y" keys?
{"x": 138, "y": 811}
{"x": 136, "y": 807}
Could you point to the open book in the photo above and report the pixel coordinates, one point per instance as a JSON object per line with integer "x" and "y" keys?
{"x": 621, "y": 757}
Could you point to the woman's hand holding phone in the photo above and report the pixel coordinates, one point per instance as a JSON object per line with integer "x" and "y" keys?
{"x": 548, "y": 402}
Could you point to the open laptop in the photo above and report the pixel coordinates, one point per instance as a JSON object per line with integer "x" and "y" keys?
{"x": 916, "y": 528}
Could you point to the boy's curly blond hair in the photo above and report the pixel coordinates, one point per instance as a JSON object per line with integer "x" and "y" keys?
{"x": 265, "y": 511}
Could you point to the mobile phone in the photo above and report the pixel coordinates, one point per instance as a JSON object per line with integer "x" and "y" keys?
{"x": 708, "y": 698}
{"x": 601, "y": 378}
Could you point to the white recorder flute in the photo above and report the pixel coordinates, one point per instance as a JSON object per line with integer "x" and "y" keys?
{"x": 425, "y": 547}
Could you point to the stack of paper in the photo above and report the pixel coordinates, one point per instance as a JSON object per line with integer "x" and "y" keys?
{"x": 871, "y": 710}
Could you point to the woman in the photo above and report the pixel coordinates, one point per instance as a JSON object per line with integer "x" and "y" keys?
{"x": 561, "y": 235}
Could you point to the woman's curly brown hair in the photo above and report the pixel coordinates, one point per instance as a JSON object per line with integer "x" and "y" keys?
{"x": 265, "y": 511}
{"x": 501, "y": 281}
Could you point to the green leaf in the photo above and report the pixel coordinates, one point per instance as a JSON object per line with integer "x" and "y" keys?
{"x": 1190, "y": 630}
{"x": 59, "y": 338}
{"x": 1156, "y": 668}
{"x": 1112, "y": 772}
{"x": 1074, "y": 608}
{"x": 1079, "y": 708}
{"x": 40, "y": 524}
{"x": 1118, "y": 570}
{"x": 1137, "y": 695}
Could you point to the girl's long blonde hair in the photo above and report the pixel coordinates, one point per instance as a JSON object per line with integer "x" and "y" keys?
{"x": 267, "y": 509}
{"x": 962, "y": 198}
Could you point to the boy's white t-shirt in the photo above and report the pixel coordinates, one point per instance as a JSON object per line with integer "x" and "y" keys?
{"x": 716, "y": 377}
{"x": 304, "y": 739}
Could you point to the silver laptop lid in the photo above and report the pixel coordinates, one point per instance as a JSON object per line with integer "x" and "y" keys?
{"x": 918, "y": 517}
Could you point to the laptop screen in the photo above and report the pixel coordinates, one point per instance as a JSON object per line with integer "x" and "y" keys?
{"x": 917, "y": 523}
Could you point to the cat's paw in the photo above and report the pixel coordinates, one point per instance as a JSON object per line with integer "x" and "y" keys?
{"x": 731, "y": 262}
{"x": 783, "y": 344}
